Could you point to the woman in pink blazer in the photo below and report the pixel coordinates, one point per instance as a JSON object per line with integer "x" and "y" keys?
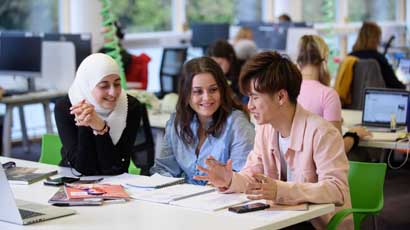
{"x": 298, "y": 157}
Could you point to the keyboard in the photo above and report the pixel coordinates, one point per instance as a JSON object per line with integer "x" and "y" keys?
{"x": 386, "y": 136}
{"x": 25, "y": 214}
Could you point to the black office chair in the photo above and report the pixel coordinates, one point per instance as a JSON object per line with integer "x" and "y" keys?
{"x": 171, "y": 66}
{"x": 144, "y": 147}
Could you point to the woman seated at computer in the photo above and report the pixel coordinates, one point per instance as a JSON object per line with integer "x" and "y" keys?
{"x": 97, "y": 121}
{"x": 207, "y": 122}
{"x": 298, "y": 157}
{"x": 315, "y": 93}
{"x": 365, "y": 47}
{"x": 243, "y": 44}
{"x": 223, "y": 53}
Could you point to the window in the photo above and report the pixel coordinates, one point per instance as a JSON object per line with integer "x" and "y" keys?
{"x": 34, "y": 16}
{"x": 223, "y": 11}
{"x": 319, "y": 11}
{"x": 143, "y": 15}
{"x": 373, "y": 10}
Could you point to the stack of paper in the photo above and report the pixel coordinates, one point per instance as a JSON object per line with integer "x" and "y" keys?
{"x": 174, "y": 193}
{"x": 212, "y": 201}
{"x": 155, "y": 181}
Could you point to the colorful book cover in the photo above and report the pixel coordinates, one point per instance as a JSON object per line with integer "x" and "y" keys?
{"x": 105, "y": 191}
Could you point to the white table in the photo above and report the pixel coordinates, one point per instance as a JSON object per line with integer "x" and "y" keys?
{"x": 145, "y": 215}
{"x": 354, "y": 117}
{"x": 42, "y": 97}
{"x": 158, "y": 120}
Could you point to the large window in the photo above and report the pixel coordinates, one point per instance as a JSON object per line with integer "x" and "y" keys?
{"x": 374, "y": 10}
{"x": 230, "y": 11}
{"x": 319, "y": 11}
{"x": 143, "y": 15}
{"x": 35, "y": 16}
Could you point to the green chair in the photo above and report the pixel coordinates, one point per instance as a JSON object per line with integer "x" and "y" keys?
{"x": 366, "y": 182}
{"x": 132, "y": 169}
{"x": 50, "y": 149}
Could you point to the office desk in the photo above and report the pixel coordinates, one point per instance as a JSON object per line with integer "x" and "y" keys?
{"x": 42, "y": 97}
{"x": 354, "y": 117}
{"x": 137, "y": 214}
{"x": 158, "y": 120}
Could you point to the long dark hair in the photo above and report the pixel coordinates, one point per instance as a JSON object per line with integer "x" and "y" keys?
{"x": 184, "y": 112}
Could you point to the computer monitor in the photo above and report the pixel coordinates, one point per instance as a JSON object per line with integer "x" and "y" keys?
{"x": 82, "y": 43}
{"x": 203, "y": 34}
{"x": 380, "y": 104}
{"x": 268, "y": 36}
{"x": 20, "y": 54}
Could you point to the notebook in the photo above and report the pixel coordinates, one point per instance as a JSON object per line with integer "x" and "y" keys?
{"x": 25, "y": 212}
{"x": 380, "y": 104}
{"x": 27, "y": 175}
{"x": 155, "y": 181}
{"x": 174, "y": 193}
{"x": 212, "y": 201}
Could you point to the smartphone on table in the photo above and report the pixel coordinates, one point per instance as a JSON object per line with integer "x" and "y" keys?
{"x": 249, "y": 207}
{"x": 60, "y": 180}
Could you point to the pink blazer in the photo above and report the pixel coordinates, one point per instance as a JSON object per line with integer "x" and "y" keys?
{"x": 317, "y": 161}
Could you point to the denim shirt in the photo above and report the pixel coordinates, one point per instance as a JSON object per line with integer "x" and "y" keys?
{"x": 178, "y": 159}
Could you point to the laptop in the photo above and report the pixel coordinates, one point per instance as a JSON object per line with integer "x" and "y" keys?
{"x": 380, "y": 104}
{"x": 25, "y": 212}
{"x": 403, "y": 70}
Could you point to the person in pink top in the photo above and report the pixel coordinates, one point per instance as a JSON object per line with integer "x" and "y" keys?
{"x": 297, "y": 157}
{"x": 315, "y": 94}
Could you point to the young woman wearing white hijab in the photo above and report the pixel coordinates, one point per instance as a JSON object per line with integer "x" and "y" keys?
{"x": 97, "y": 121}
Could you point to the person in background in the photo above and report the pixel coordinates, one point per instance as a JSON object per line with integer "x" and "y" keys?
{"x": 135, "y": 67}
{"x": 207, "y": 122}
{"x": 315, "y": 94}
{"x": 97, "y": 122}
{"x": 365, "y": 47}
{"x": 284, "y": 18}
{"x": 298, "y": 157}
{"x": 244, "y": 45}
{"x": 223, "y": 53}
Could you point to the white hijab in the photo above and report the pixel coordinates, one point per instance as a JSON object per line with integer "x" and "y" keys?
{"x": 90, "y": 72}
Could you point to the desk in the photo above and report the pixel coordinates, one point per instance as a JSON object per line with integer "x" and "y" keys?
{"x": 158, "y": 120}
{"x": 137, "y": 214}
{"x": 42, "y": 97}
{"x": 354, "y": 117}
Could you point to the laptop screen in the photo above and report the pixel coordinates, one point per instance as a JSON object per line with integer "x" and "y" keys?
{"x": 403, "y": 70}
{"x": 380, "y": 104}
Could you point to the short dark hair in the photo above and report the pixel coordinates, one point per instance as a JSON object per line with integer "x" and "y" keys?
{"x": 271, "y": 73}
{"x": 184, "y": 112}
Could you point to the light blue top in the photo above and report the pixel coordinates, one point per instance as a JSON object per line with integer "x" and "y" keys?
{"x": 177, "y": 159}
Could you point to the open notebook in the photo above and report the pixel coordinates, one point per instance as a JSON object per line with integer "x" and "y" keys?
{"x": 174, "y": 193}
{"x": 212, "y": 201}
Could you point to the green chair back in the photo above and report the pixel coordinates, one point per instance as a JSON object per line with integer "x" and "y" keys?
{"x": 132, "y": 169}
{"x": 51, "y": 152}
{"x": 366, "y": 181}
{"x": 50, "y": 149}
